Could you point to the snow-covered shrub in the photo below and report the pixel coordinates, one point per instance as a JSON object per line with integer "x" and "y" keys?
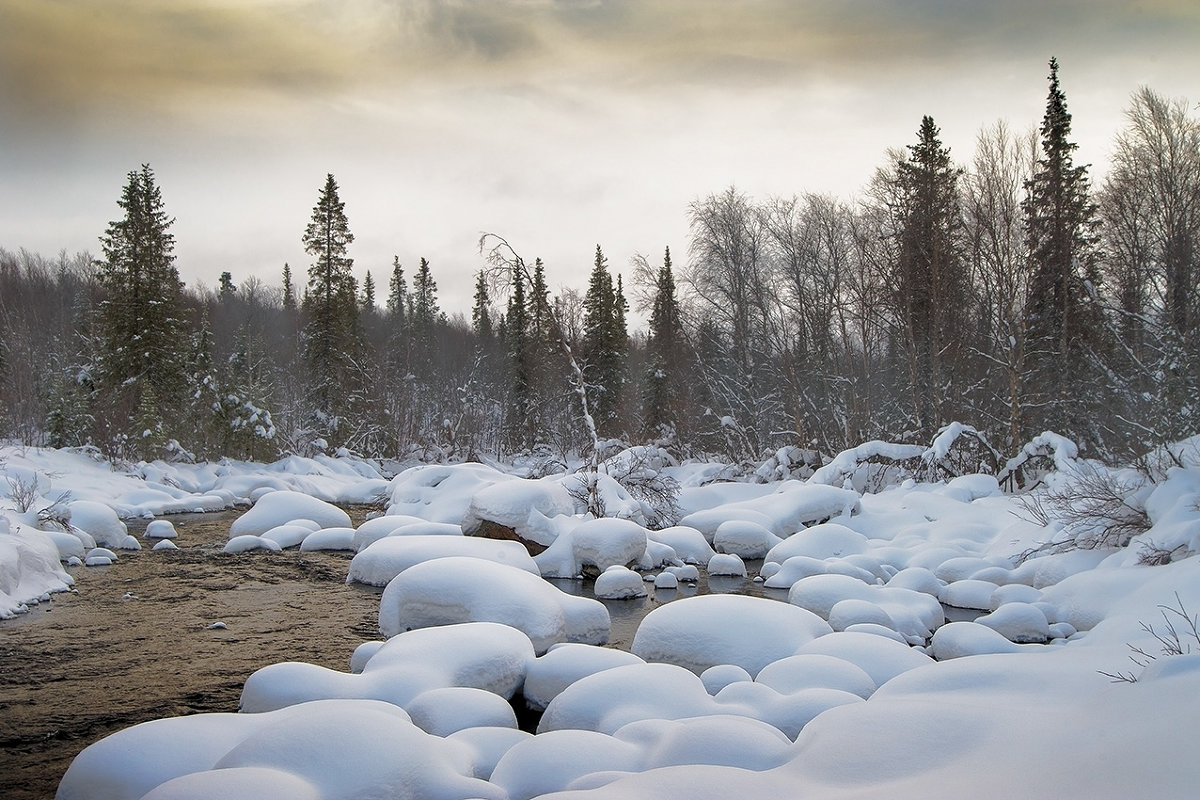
{"x": 1043, "y": 454}
{"x": 1093, "y": 508}
{"x": 641, "y": 471}
{"x": 1172, "y": 640}
{"x": 958, "y": 450}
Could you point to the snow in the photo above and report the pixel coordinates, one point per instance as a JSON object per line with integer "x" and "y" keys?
{"x": 827, "y": 540}
{"x": 338, "y": 538}
{"x": 1022, "y": 623}
{"x": 744, "y": 538}
{"x": 563, "y": 665}
{"x": 29, "y": 569}
{"x": 689, "y": 544}
{"x": 440, "y": 492}
{"x": 619, "y": 583}
{"x": 485, "y": 746}
{"x": 99, "y": 521}
{"x": 950, "y": 710}
{"x": 726, "y": 564}
{"x": 525, "y": 506}
{"x": 551, "y": 761}
{"x": 706, "y": 630}
{"x": 464, "y": 589}
{"x": 599, "y": 543}
{"x": 160, "y": 529}
{"x": 479, "y": 655}
{"x": 814, "y": 671}
{"x": 248, "y": 542}
{"x": 388, "y": 557}
{"x": 450, "y": 709}
{"x": 281, "y": 507}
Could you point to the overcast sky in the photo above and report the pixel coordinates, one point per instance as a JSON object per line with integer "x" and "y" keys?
{"x": 560, "y": 125}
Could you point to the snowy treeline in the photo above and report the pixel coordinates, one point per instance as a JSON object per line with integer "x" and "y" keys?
{"x": 1010, "y": 291}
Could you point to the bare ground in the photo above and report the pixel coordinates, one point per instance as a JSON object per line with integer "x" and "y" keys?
{"x": 134, "y": 643}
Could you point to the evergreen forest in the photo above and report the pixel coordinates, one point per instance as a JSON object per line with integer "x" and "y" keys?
{"x": 1012, "y": 290}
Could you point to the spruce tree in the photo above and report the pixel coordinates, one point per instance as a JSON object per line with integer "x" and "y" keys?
{"x": 605, "y": 346}
{"x": 368, "y": 295}
{"x": 481, "y": 318}
{"x": 932, "y": 283}
{"x": 227, "y": 290}
{"x": 332, "y": 339}
{"x": 289, "y": 290}
{"x": 424, "y": 315}
{"x": 1062, "y": 321}
{"x": 141, "y": 335}
{"x": 663, "y": 385}
{"x": 397, "y": 302}
{"x": 520, "y": 423}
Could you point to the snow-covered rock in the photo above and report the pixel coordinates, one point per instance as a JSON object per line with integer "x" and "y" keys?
{"x": 563, "y": 665}
{"x": 160, "y": 529}
{"x": 706, "y": 630}
{"x": 521, "y": 509}
{"x": 619, "y": 583}
{"x": 456, "y": 589}
{"x": 744, "y": 539}
{"x": 386, "y": 558}
{"x": 281, "y": 507}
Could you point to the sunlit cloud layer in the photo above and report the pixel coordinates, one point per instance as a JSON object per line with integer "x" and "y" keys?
{"x": 89, "y": 56}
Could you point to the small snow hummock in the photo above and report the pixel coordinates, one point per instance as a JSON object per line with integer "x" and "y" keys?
{"x": 619, "y": 583}
{"x": 160, "y": 529}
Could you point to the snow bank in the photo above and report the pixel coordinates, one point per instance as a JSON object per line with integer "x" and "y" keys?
{"x": 29, "y": 568}
{"x": 441, "y": 492}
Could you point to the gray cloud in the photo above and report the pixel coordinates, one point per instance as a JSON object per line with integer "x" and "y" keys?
{"x": 64, "y": 57}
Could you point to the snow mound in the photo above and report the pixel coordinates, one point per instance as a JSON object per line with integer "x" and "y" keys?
{"x": 599, "y": 543}
{"x": 29, "y": 569}
{"x": 333, "y": 748}
{"x": 525, "y": 506}
{"x": 814, "y": 671}
{"x": 563, "y": 665}
{"x": 339, "y": 538}
{"x": 619, "y": 583}
{"x": 689, "y": 544}
{"x": 827, "y": 540}
{"x": 281, "y": 507}
{"x": 246, "y": 543}
{"x": 478, "y": 655}
{"x": 607, "y": 700}
{"x": 706, "y": 630}
{"x": 98, "y": 520}
{"x": 454, "y": 708}
{"x": 549, "y": 762}
{"x": 441, "y": 492}
{"x": 383, "y": 560}
{"x": 160, "y": 529}
{"x": 463, "y": 589}
{"x": 726, "y": 565}
{"x": 719, "y": 739}
{"x": 744, "y": 539}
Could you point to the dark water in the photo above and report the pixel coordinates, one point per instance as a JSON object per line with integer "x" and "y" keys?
{"x": 626, "y": 615}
